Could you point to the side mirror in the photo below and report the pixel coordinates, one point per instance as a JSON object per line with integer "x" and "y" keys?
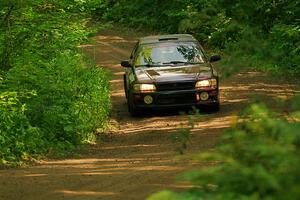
{"x": 125, "y": 63}
{"x": 215, "y": 58}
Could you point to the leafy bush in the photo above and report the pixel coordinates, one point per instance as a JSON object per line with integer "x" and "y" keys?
{"x": 18, "y": 138}
{"x": 38, "y": 55}
{"x": 146, "y": 13}
{"x": 285, "y": 44}
{"x": 71, "y": 98}
{"x": 277, "y": 53}
{"x": 256, "y": 159}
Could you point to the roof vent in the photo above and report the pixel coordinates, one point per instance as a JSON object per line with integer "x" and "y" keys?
{"x": 167, "y": 39}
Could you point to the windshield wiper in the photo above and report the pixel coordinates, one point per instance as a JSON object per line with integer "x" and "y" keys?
{"x": 182, "y": 62}
{"x": 195, "y": 63}
{"x": 147, "y": 65}
{"x": 150, "y": 65}
{"x": 175, "y": 62}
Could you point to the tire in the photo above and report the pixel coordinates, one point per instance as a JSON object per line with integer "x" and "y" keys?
{"x": 125, "y": 86}
{"x": 134, "y": 112}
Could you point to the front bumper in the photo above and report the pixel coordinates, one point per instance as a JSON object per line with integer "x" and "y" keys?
{"x": 179, "y": 98}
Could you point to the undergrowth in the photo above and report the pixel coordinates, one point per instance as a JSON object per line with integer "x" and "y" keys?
{"x": 52, "y": 98}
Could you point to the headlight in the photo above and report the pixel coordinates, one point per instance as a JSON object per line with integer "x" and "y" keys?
{"x": 144, "y": 88}
{"x": 210, "y": 83}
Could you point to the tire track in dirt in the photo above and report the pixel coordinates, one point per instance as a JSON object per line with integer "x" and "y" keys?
{"x": 138, "y": 157}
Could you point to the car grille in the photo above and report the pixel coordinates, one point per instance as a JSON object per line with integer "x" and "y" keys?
{"x": 176, "y": 99}
{"x": 175, "y": 86}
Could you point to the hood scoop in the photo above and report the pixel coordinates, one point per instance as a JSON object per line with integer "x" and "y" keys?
{"x": 153, "y": 73}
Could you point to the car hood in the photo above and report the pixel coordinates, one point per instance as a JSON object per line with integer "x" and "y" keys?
{"x": 166, "y": 74}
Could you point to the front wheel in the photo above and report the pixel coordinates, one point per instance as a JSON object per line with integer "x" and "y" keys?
{"x": 125, "y": 86}
{"x": 134, "y": 112}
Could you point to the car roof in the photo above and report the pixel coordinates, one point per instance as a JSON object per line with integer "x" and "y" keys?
{"x": 163, "y": 38}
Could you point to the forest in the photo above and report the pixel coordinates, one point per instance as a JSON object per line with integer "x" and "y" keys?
{"x": 53, "y": 98}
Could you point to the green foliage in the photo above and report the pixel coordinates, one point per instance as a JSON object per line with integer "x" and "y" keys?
{"x": 182, "y": 136}
{"x": 165, "y": 195}
{"x": 38, "y": 55}
{"x": 285, "y": 44}
{"x": 147, "y": 13}
{"x": 256, "y": 159}
{"x": 39, "y": 28}
{"x": 71, "y": 98}
{"x": 277, "y": 53}
{"x": 18, "y": 138}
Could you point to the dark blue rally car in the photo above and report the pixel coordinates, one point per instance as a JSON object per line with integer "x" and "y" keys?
{"x": 168, "y": 71}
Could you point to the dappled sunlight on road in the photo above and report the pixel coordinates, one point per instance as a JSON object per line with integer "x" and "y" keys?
{"x": 116, "y": 81}
{"x": 36, "y": 175}
{"x": 93, "y": 178}
{"x": 85, "y": 193}
{"x": 114, "y": 39}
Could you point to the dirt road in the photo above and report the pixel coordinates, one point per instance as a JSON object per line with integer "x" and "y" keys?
{"x": 138, "y": 156}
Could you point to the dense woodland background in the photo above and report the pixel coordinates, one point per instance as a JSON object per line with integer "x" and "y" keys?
{"x": 52, "y": 98}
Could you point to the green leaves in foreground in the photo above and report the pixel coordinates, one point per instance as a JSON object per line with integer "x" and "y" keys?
{"x": 39, "y": 55}
{"x": 70, "y": 101}
{"x": 18, "y": 138}
{"x": 257, "y": 159}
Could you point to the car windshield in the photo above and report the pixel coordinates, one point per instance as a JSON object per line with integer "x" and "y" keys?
{"x": 167, "y": 53}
